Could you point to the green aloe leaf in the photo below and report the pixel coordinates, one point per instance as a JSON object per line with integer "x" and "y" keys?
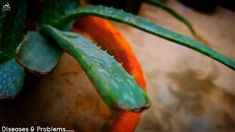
{"x": 117, "y": 88}
{"x": 11, "y": 27}
{"x": 35, "y": 46}
{"x": 159, "y": 3}
{"x": 145, "y": 25}
{"x": 11, "y": 78}
{"x": 37, "y": 54}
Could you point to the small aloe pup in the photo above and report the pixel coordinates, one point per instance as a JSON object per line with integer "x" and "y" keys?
{"x": 121, "y": 86}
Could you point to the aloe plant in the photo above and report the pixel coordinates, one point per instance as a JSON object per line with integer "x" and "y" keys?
{"x": 39, "y": 51}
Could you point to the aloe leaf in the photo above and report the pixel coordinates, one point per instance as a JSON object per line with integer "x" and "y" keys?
{"x": 117, "y": 88}
{"x": 147, "y": 26}
{"x": 54, "y": 9}
{"x": 11, "y": 78}
{"x": 44, "y": 61}
{"x": 159, "y": 3}
{"x": 37, "y": 54}
{"x": 11, "y": 27}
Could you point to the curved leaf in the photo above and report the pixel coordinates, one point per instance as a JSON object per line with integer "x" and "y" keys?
{"x": 117, "y": 88}
{"x": 37, "y": 54}
{"x": 145, "y": 25}
{"x": 11, "y": 78}
{"x": 11, "y": 27}
{"x": 159, "y": 3}
{"x": 115, "y": 44}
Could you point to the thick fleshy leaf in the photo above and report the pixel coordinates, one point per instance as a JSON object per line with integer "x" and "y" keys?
{"x": 37, "y": 54}
{"x": 145, "y": 25}
{"x": 11, "y": 78}
{"x": 117, "y": 88}
{"x": 11, "y": 27}
{"x": 52, "y": 10}
{"x": 159, "y": 3}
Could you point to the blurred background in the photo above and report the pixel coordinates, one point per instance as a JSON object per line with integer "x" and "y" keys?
{"x": 189, "y": 91}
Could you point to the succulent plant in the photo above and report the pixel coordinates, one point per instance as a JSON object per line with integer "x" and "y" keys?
{"x": 39, "y": 51}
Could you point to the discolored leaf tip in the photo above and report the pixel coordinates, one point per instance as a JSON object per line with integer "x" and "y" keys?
{"x": 138, "y": 109}
{"x": 37, "y": 55}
